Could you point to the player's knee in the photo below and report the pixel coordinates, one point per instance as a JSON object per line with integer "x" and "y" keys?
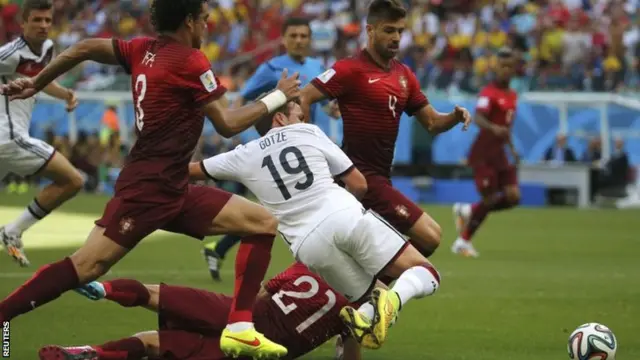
{"x": 513, "y": 197}
{"x": 151, "y": 342}
{"x": 89, "y": 269}
{"x": 268, "y": 225}
{"x": 74, "y": 182}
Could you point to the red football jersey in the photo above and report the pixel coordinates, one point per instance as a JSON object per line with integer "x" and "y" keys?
{"x": 498, "y": 105}
{"x": 371, "y": 101}
{"x": 170, "y": 83}
{"x": 303, "y": 311}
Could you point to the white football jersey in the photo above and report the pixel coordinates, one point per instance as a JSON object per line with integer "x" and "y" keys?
{"x": 18, "y": 60}
{"x": 291, "y": 170}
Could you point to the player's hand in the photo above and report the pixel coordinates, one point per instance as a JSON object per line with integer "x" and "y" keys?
{"x": 22, "y": 88}
{"x": 463, "y": 116}
{"x": 290, "y": 86}
{"x": 72, "y": 101}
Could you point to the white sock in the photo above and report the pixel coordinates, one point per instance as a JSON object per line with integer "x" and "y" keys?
{"x": 366, "y": 309}
{"x": 465, "y": 210}
{"x": 240, "y": 326}
{"x": 415, "y": 282}
{"x": 28, "y": 218}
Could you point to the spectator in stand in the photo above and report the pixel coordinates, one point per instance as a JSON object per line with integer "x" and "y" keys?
{"x": 560, "y": 153}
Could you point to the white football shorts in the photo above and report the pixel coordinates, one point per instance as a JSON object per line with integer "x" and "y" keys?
{"x": 349, "y": 249}
{"x": 24, "y": 156}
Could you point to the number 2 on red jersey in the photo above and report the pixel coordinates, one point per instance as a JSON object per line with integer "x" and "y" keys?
{"x": 330, "y": 296}
{"x": 141, "y": 91}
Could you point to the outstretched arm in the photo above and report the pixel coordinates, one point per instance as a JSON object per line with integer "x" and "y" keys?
{"x": 98, "y": 50}
{"x": 229, "y": 122}
{"x": 436, "y": 122}
{"x": 310, "y": 95}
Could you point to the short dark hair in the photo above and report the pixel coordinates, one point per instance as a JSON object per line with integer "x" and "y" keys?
{"x": 264, "y": 124}
{"x": 168, "y": 15}
{"x": 505, "y": 53}
{"x": 390, "y": 10}
{"x": 30, "y": 5}
{"x": 295, "y": 21}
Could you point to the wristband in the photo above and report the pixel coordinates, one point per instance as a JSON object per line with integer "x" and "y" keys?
{"x": 274, "y": 100}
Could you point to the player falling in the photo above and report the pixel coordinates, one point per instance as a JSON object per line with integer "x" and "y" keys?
{"x": 291, "y": 170}
{"x": 373, "y": 89}
{"x": 21, "y": 154}
{"x": 496, "y": 179}
{"x": 296, "y": 308}
{"x": 173, "y": 89}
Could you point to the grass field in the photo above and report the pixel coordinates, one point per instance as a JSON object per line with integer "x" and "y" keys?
{"x": 541, "y": 274}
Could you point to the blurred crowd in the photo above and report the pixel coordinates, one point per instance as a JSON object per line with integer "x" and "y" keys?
{"x": 563, "y": 44}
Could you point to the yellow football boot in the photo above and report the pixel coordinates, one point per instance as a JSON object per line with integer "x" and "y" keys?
{"x": 250, "y": 343}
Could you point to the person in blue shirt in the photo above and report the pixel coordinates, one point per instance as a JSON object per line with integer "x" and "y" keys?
{"x": 296, "y": 38}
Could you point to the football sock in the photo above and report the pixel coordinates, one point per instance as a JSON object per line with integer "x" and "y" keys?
{"x": 479, "y": 212}
{"x": 417, "y": 282}
{"x": 46, "y": 285}
{"x": 223, "y": 246}
{"x": 126, "y": 292}
{"x": 28, "y": 218}
{"x": 367, "y": 310}
{"x": 125, "y": 349}
{"x": 252, "y": 262}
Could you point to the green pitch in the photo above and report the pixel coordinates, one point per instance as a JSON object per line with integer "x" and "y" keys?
{"x": 541, "y": 273}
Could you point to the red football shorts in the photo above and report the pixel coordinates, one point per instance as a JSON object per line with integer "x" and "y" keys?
{"x": 391, "y": 204}
{"x": 490, "y": 179}
{"x": 128, "y": 221}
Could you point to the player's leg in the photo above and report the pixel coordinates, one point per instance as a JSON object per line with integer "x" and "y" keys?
{"x": 381, "y": 250}
{"x": 499, "y": 191}
{"x": 215, "y": 252}
{"x": 88, "y": 263}
{"x": 121, "y": 227}
{"x": 137, "y": 347}
{"x": 403, "y": 214}
{"x": 37, "y": 157}
{"x": 125, "y": 292}
{"x": 211, "y": 211}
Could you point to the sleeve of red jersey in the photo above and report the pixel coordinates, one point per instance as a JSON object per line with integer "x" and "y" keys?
{"x": 124, "y": 51}
{"x": 483, "y": 105}
{"x": 199, "y": 78}
{"x": 417, "y": 100}
{"x": 335, "y": 81}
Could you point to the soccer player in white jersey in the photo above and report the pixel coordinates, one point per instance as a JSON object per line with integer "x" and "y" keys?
{"x": 21, "y": 154}
{"x": 291, "y": 170}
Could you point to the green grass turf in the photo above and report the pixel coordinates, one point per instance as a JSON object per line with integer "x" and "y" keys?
{"x": 542, "y": 273}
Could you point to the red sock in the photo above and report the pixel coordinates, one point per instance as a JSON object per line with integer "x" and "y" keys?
{"x": 479, "y": 212}
{"x": 502, "y": 203}
{"x": 252, "y": 262}
{"x": 125, "y": 349}
{"x": 46, "y": 285}
{"x": 127, "y": 292}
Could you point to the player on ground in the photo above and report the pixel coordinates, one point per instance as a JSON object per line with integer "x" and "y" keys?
{"x": 21, "y": 154}
{"x": 296, "y": 308}
{"x": 296, "y": 39}
{"x": 291, "y": 171}
{"x": 173, "y": 89}
{"x": 496, "y": 179}
{"x": 373, "y": 89}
